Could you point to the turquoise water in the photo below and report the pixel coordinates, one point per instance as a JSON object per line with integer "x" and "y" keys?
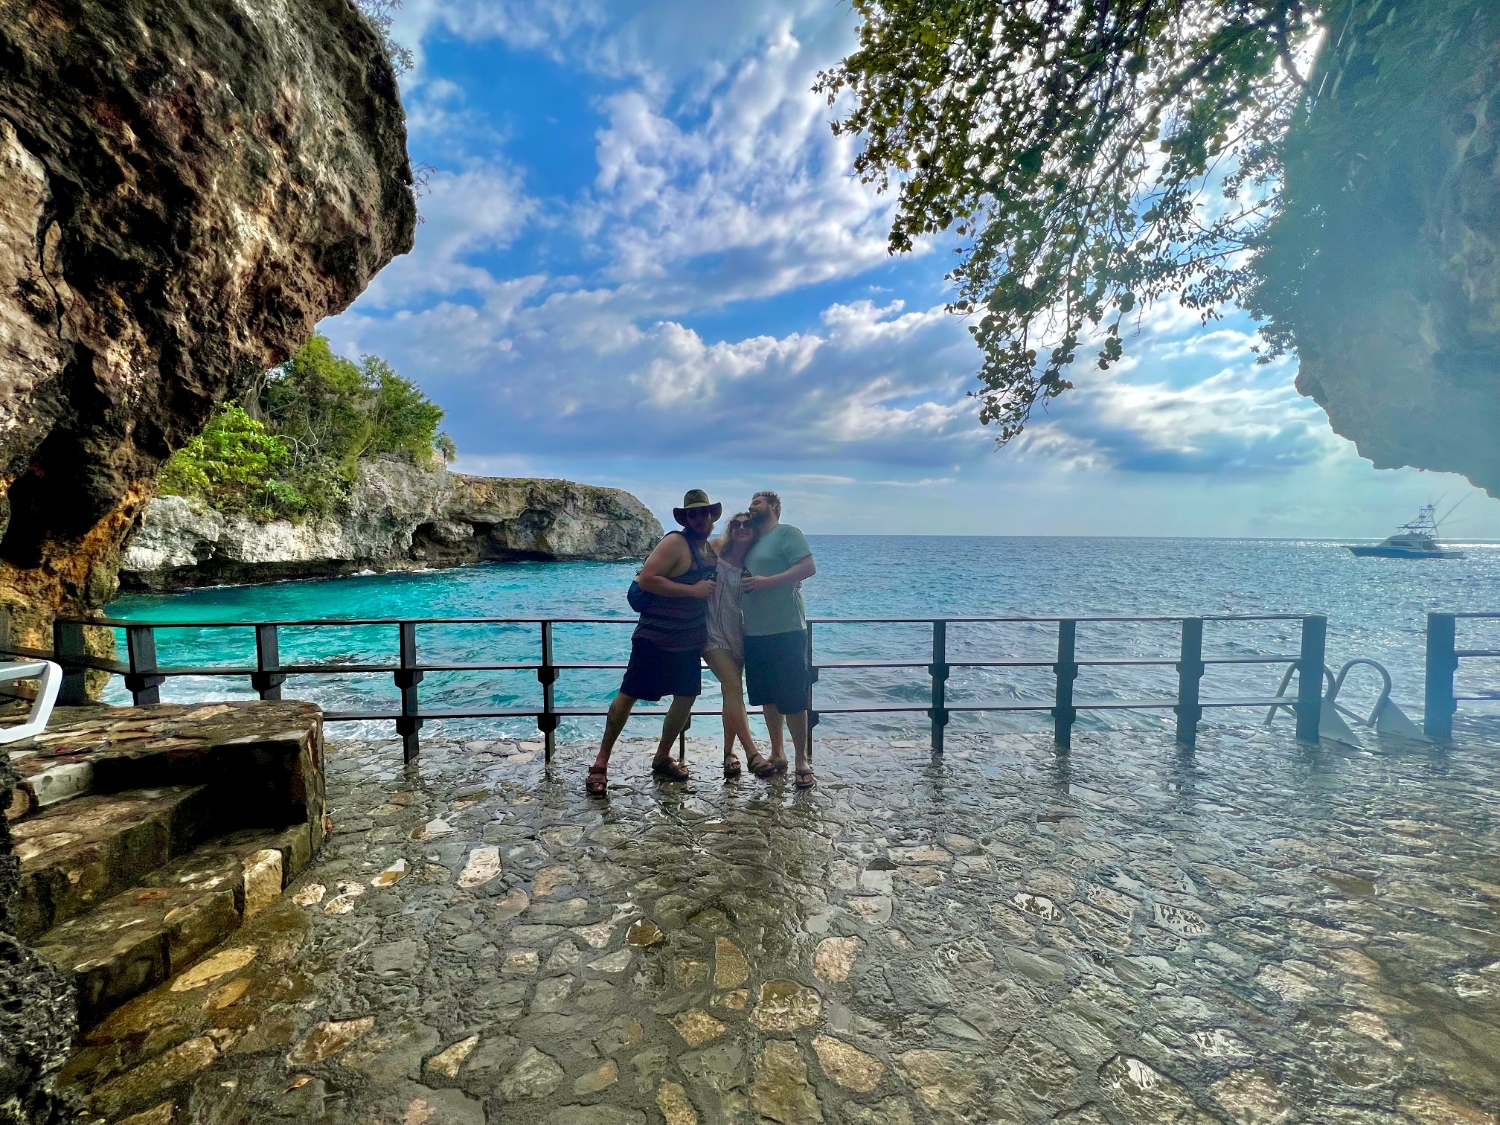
{"x": 1376, "y": 608}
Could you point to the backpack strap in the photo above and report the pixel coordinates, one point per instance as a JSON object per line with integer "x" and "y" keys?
{"x": 698, "y": 563}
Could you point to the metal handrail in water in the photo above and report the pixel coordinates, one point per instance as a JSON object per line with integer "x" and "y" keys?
{"x": 144, "y": 674}
{"x": 1443, "y": 655}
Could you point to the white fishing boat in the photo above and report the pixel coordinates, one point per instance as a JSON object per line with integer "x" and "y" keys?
{"x": 1415, "y": 540}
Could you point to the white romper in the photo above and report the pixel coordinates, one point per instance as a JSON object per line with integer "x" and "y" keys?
{"x": 726, "y": 623}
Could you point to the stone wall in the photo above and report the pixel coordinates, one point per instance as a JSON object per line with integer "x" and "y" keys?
{"x": 400, "y": 517}
{"x": 186, "y": 188}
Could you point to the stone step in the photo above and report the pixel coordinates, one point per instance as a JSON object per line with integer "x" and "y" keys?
{"x": 138, "y": 938}
{"x": 77, "y": 854}
{"x": 266, "y": 754}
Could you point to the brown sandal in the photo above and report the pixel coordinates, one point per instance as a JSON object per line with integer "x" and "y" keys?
{"x": 597, "y": 782}
{"x": 731, "y": 767}
{"x": 759, "y": 766}
{"x": 668, "y": 770}
{"x": 806, "y": 779}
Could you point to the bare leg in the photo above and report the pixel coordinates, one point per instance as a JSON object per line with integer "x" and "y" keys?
{"x": 798, "y": 725}
{"x": 672, "y": 725}
{"x": 773, "y": 728}
{"x": 614, "y": 723}
{"x": 736, "y": 721}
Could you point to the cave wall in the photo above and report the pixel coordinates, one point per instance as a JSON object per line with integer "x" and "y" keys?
{"x": 186, "y": 189}
{"x": 38, "y": 1015}
{"x": 1386, "y": 262}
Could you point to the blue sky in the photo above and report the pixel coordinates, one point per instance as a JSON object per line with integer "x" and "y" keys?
{"x": 644, "y": 263}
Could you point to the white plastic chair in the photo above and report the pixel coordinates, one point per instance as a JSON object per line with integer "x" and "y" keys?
{"x": 41, "y": 709}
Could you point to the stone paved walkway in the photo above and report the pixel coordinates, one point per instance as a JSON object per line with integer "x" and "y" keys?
{"x": 1271, "y": 934}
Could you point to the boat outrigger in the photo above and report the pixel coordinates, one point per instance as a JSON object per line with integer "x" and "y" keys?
{"x": 1414, "y": 540}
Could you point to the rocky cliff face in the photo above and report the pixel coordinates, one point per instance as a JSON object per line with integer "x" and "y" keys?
{"x": 38, "y": 1016}
{"x": 400, "y": 516}
{"x": 186, "y": 188}
{"x": 1387, "y": 263}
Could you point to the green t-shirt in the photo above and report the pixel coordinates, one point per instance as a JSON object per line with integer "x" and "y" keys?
{"x": 779, "y": 610}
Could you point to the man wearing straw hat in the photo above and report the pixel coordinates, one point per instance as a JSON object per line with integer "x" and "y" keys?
{"x": 677, "y": 581}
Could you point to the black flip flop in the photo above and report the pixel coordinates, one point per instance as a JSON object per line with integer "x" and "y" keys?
{"x": 806, "y": 779}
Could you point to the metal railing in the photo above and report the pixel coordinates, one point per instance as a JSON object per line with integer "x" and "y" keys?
{"x": 1443, "y": 655}
{"x": 144, "y": 674}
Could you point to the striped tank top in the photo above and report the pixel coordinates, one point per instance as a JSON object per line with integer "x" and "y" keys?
{"x": 679, "y": 624}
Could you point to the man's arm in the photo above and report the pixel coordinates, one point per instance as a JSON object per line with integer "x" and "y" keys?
{"x": 671, "y": 557}
{"x": 800, "y": 570}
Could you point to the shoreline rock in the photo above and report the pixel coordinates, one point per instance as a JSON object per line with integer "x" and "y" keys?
{"x": 400, "y": 517}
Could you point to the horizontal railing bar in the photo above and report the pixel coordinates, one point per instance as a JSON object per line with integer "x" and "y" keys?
{"x": 997, "y": 664}
{"x": 335, "y": 622}
{"x": 1477, "y": 652}
{"x": 342, "y": 622}
{"x": 894, "y": 708}
{"x": 97, "y": 663}
{"x": 339, "y": 669}
{"x": 1021, "y": 620}
{"x": 873, "y": 664}
{"x": 504, "y": 713}
{"x": 1251, "y": 659}
{"x": 1162, "y": 662}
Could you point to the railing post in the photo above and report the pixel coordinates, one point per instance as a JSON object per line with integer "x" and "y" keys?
{"x": 1189, "y": 673}
{"x": 1442, "y": 663}
{"x": 267, "y": 677}
{"x": 67, "y": 646}
{"x": 546, "y": 675}
{"x": 409, "y": 722}
{"x": 938, "y": 670}
{"x": 1066, "y": 670}
{"x": 142, "y": 681}
{"x": 812, "y": 679}
{"x": 1310, "y": 677}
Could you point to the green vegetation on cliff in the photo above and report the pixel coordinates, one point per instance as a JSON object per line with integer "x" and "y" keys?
{"x": 291, "y": 446}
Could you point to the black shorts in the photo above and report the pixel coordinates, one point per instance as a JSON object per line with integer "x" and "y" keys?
{"x": 776, "y": 671}
{"x": 654, "y": 672}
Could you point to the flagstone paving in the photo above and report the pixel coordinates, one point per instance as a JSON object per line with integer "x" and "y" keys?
{"x": 1264, "y": 933}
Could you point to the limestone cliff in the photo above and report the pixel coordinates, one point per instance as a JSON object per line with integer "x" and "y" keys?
{"x": 1386, "y": 265}
{"x": 186, "y": 188}
{"x": 399, "y": 517}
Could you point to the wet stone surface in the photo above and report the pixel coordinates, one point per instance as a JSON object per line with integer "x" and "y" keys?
{"x": 1267, "y": 933}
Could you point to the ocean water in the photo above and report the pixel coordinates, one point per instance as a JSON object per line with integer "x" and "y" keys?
{"x": 1376, "y": 609}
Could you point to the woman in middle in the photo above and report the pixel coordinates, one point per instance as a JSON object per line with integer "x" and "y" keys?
{"x": 725, "y": 652}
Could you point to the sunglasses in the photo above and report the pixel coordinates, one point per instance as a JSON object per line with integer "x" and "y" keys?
{"x": 737, "y": 525}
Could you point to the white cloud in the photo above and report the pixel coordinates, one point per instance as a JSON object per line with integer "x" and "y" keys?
{"x": 717, "y": 184}
{"x": 466, "y": 213}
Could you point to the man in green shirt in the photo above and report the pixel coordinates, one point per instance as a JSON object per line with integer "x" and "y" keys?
{"x": 776, "y": 668}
